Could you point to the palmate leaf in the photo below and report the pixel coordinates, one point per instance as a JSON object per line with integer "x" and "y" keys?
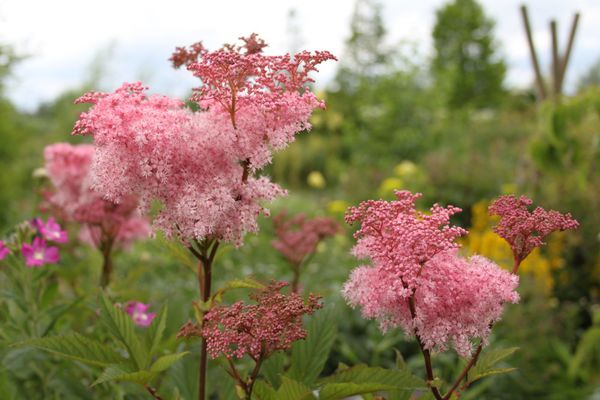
{"x": 121, "y": 326}
{"x": 309, "y": 355}
{"x": 487, "y": 360}
{"x": 77, "y": 347}
{"x": 294, "y": 390}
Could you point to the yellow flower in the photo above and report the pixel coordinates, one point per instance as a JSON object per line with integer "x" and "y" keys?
{"x": 316, "y": 180}
{"x": 337, "y": 207}
{"x": 388, "y": 186}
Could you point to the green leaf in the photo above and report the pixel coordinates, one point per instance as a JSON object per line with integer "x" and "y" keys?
{"x": 272, "y": 368}
{"x": 178, "y": 252}
{"x": 156, "y": 330}
{"x": 263, "y": 391}
{"x": 309, "y": 356}
{"x": 336, "y": 391}
{"x": 76, "y": 347}
{"x": 119, "y": 373}
{"x": 365, "y": 374}
{"x": 293, "y": 390}
{"x": 164, "y": 362}
{"x": 121, "y": 326}
{"x": 487, "y": 360}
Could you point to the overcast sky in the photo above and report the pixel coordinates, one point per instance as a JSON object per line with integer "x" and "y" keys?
{"x": 62, "y": 37}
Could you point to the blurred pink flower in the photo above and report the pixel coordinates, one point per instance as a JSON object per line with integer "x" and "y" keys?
{"x": 525, "y": 230}
{"x": 298, "y": 236}
{"x": 51, "y": 230}
{"x": 4, "y": 251}
{"x": 73, "y": 198}
{"x": 260, "y": 329}
{"x": 139, "y": 313}
{"x": 38, "y": 253}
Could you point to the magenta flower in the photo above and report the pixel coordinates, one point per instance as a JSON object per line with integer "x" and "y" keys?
{"x": 139, "y": 313}
{"x": 525, "y": 230}
{"x": 4, "y": 251}
{"x": 51, "y": 230}
{"x": 38, "y": 253}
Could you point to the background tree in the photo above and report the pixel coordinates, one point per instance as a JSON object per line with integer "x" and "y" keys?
{"x": 465, "y": 65}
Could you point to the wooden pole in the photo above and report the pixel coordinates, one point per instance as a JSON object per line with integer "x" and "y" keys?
{"x": 567, "y": 56}
{"x": 534, "y": 59}
{"x": 556, "y": 64}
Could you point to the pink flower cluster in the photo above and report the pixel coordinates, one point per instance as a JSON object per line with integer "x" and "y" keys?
{"x": 139, "y": 313}
{"x": 417, "y": 280}
{"x": 258, "y": 330}
{"x": 525, "y": 230}
{"x": 198, "y": 164}
{"x": 68, "y": 167}
{"x": 298, "y": 236}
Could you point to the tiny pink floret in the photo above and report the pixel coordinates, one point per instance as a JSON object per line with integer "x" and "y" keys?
{"x": 51, "y": 230}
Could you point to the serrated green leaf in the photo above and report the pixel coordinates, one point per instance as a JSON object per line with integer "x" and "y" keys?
{"x": 263, "y": 391}
{"x": 309, "y": 355}
{"x": 156, "y": 330}
{"x": 293, "y": 390}
{"x": 400, "y": 363}
{"x": 486, "y": 363}
{"x": 164, "y": 362}
{"x": 77, "y": 347}
{"x": 121, "y": 326}
{"x": 119, "y": 373}
{"x": 337, "y": 391}
{"x": 401, "y": 379}
{"x": 272, "y": 368}
{"x": 179, "y": 253}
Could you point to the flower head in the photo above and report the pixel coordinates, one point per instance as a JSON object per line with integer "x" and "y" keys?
{"x": 38, "y": 253}
{"x": 51, "y": 230}
{"x": 525, "y": 230}
{"x": 397, "y": 237}
{"x": 200, "y": 166}
{"x": 139, "y": 313}
{"x": 298, "y": 236}
{"x": 455, "y": 299}
{"x": 4, "y": 251}
{"x": 272, "y": 324}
